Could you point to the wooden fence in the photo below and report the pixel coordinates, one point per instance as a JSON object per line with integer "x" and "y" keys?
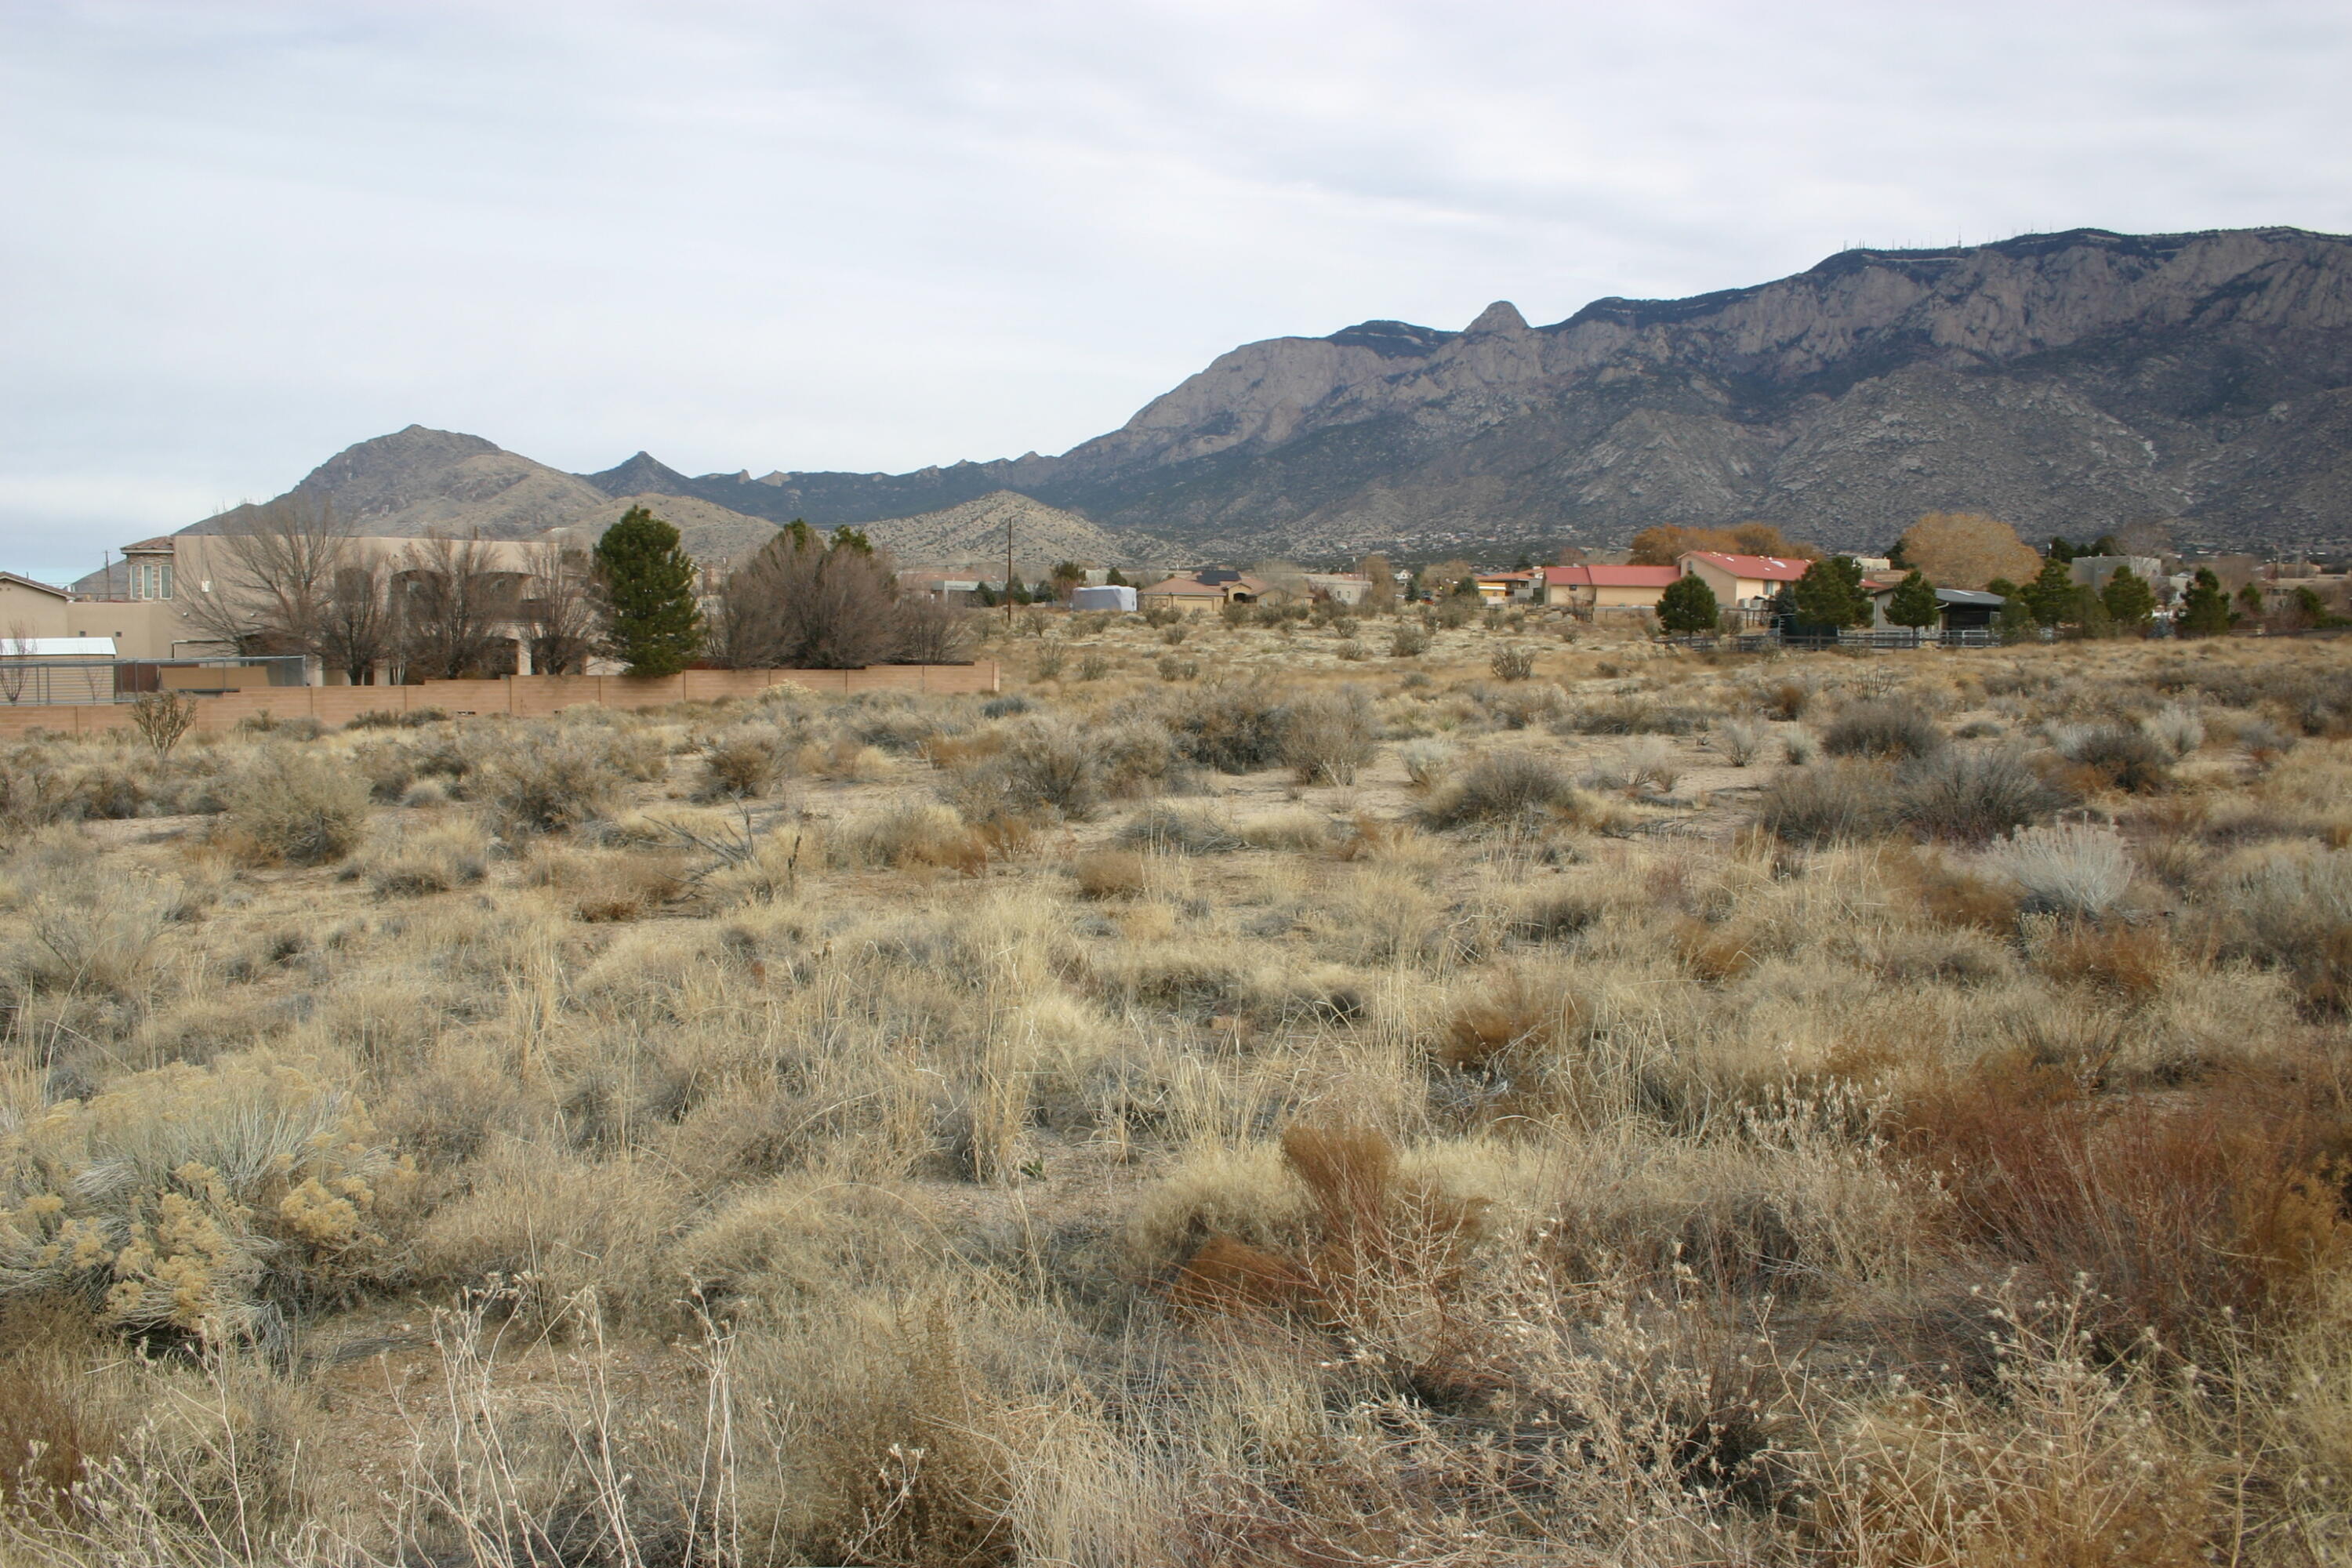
{"x": 522, "y": 696}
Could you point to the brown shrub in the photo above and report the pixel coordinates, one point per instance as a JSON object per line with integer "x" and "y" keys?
{"x": 2222, "y": 1202}
{"x": 2127, "y": 961}
{"x": 1109, "y": 874}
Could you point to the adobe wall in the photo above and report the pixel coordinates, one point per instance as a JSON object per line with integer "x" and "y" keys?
{"x": 523, "y": 696}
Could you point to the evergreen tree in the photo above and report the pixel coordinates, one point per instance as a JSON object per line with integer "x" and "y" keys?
{"x": 849, "y": 538}
{"x": 2015, "y": 622}
{"x": 1829, "y": 596}
{"x": 2052, "y": 593}
{"x": 1689, "y": 606}
{"x": 647, "y": 583}
{"x": 2062, "y": 549}
{"x": 2129, "y": 600}
{"x": 2205, "y": 609}
{"x": 2250, "y": 602}
{"x": 1914, "y": 603}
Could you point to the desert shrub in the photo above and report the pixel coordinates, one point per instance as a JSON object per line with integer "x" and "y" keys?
{"x": 1232, "y": 726}
{"x": 911, "y": 834}
{"x": 1327, "y": 736}
{"x": 295, "y": 730}
{"x": 404, "y": 719}
{"x": 2176, "y": 727}
{"x": 1044, "y": 766}
{"x": 606, "y": 886}
{"x": 553, "y": 1225}
{"x": 2126, "y": 758}
{"x": 2294, "y": 910}
{"x": 1788, "y": 699}
{"x": 199, "y": 1201}
{"x": 1408, "y": 641}
{"x": 1140, "y": 757}
{"x": 1887, "y": 730}
{"x": 79, "y": 927}
{"x": 1011, "y": 705}
{"x": 1172, "y": 634}
{"x": 1522, "y": 707}
{"x": 745, "y": 762}
{"x": 1974, "y": 796}
{"x": 1050, "y": 659}
{"x": 1799, "y": 748}
{"x": 1740, "y": 741}
{"x": 389, "y": 768}
{"x": 2068, "y": 868}
{"x": 294, "y": 806}
{"x": 549, "y": 780}
{"x": 1427, "y": 762}
{"x": 1827, "y": 803}
{"x": 1094, "y": 666}
{"x": 1512, "y": 662}
{"x": 1300, "y": 831}
{"x": 1632, "y": 716}
{"x": 431, "y": 857}
{"x": 1172, "y": 668}
{"x": 1108, "y": 874}
{"x": 2185, "y": 1219}
{"x": 1503, "y": 786}
{"x": 1181, "y": 830}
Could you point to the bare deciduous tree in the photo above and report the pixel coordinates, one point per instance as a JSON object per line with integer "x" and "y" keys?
{"x": 450, "y": 599}
{"x": 14, "y": 670}
{"x": 932, "y": 631}
{"x": 799, "y": 604}
{"x": 356, "y": 629}
{"x": 560, "y": 609}
{"x": 277, "y": 569}
{"x": 1967, "y": 550}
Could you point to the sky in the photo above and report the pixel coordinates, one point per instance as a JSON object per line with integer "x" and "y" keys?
{"x": 239, "y": 236}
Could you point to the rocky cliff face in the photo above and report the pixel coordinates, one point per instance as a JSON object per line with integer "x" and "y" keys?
{"x": 2075, "y": 381}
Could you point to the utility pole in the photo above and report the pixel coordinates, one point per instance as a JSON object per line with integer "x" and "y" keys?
{"x": 1008, "y": 569}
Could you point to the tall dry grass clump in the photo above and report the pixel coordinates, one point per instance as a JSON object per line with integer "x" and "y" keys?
{"x": 294, "y": 806}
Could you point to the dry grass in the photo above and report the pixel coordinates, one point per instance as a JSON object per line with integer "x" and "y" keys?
{"x": 1326, "y": 1110}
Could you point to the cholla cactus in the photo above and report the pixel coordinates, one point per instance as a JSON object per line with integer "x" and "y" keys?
{"x": 203, "y": 1200}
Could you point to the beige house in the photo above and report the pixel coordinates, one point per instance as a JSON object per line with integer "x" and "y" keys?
{"x": 1593, "y": 588}
{"x": 29, "y": 608}
{"x": 1741, "y": 582}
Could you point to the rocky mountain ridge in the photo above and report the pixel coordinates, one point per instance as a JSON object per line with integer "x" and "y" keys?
{"x": 2075, "y": 381}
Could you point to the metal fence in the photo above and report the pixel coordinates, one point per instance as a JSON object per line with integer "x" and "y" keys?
{"x": 57, "y": 682}
{"x": 1775, "y": 639}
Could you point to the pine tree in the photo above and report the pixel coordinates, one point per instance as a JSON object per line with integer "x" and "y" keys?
{"x": 647, "y": 581}
{"x": 2128, "y": 598}
{"x": 2205, "y": 609}
{"x": 2052, "y": 593}
{"x": 1689, "y": 606}
{"x": 2015, "y": 622}
{"x": 1830, "y": 594}
{"x": 1914, "y": 604}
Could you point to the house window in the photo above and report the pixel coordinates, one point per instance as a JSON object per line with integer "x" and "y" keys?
{"x": 163, "y": 581}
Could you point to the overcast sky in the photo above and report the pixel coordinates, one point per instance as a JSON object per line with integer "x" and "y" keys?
{"x": 239, "y": 236}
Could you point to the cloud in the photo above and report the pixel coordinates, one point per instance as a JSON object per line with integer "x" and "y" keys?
{"x": 847, "y": 235}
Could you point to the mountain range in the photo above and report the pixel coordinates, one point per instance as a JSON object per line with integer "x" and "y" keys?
{"x": 2075, "y": 383}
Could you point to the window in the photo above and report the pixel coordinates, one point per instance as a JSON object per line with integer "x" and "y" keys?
{"x": 165, "y": 574}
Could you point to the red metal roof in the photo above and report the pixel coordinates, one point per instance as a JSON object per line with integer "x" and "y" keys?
{"x": 1765, "y": 568}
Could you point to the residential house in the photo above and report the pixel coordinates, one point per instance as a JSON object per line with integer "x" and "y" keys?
{"x": 1741, "y": 582}
{"x": 31, "y": 608}
{"x": 1963, "y": 609}
{"x": 1598, "y": 588}
{"x": 1339, "y": 587}
{"x": 2093, "y": 571}
{"x": 1502, "y": 587}
{"x": 1187, "y": 594}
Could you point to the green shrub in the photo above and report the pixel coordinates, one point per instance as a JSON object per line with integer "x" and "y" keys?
{"x": 1505, "y": 786}
{"x": 1975, "y": 796}
{"x": 1887, "y": 730}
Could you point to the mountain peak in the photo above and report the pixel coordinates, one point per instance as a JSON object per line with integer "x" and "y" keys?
{"x": 1502, "y": 316}
{"x": 641, "y": 475}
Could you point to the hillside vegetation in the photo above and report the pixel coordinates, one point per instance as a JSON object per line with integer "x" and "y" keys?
{"x": 1286, "y": 1091}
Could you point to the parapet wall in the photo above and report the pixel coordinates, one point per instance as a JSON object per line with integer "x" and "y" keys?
{"x": 523, "y": 696}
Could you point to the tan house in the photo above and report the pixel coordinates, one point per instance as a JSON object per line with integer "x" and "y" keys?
{"x": 1594, "y": 588}
{"x": 30, "y": 608}
{"x": 1741, "y": 582}
{"x": 1502, "y": 587}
